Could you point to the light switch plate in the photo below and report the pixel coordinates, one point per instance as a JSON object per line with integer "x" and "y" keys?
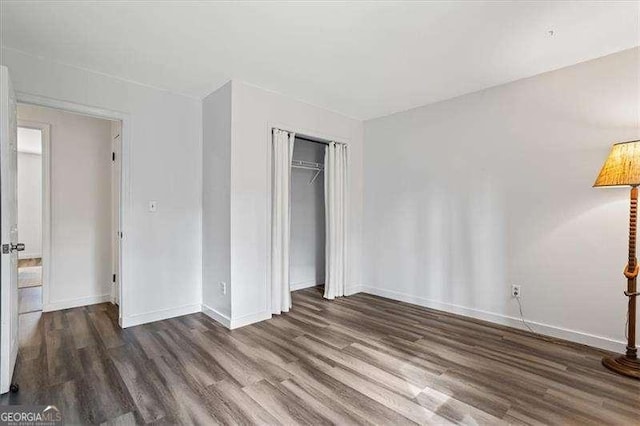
{"x": 153, "y": 206}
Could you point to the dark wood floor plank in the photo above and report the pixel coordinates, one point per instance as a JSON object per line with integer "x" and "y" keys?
{"x": 398, "y": 403}
{"x": 349, "y": 362}
{"x": 126, "y": 419}
{"x": 287, "y": 408}
{"x": 407, "y": 371}
{"x": 356, "y": 360}
{"x": 238, "y": 407}
{"x": 107, "y": 330}
{"x": 455, "y": 411}
{"x": 235, "y": 365}
{"x": 186, "y": 399}
{"x": 323, "y": 404}
{"x": 256, "y": 337}
{"x": 82, "y": 331}
{"x": 63, "y": 363}
{"x": 103, "y": 386}
{"x": 142, "y": 381}
{"x": 196, "y": 362}
{"x": 316, "y": 375}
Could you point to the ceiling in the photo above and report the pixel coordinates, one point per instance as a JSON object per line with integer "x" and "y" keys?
{"x": 361, "y": 59}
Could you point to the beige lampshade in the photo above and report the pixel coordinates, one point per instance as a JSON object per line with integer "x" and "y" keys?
{"x": 622, "y": 166}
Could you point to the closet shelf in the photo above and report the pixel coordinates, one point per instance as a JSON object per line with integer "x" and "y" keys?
{"x": 308, "y": 165}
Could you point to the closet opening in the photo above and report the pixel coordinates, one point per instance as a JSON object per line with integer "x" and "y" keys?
{"x": 307, "y": 254}
{"x": 309, "y": 205}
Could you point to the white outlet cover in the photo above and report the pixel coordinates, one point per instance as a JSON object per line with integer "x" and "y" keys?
{"x": 153, "y": 206}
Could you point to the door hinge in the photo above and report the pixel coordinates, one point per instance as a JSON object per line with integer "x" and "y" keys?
{"x": 6, "y": 248}
{"x": 113, "y": 156}
{"x": 114, "y": 278}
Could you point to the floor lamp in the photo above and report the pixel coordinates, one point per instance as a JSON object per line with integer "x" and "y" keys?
{"x": 622, "y": 168}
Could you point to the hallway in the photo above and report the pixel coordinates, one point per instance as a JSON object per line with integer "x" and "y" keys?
{"x": 29, "y": 285}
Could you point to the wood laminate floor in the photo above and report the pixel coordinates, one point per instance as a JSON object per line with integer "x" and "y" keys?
{"x": 29, "y": 299}
{"x": 355, "y": 360}
{"x": 32, "y": 261}
{"x": 29, "y": 276}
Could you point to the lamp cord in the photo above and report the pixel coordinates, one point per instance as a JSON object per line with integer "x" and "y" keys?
{"x": 522, "y": 316}
{"x": 626, "y": 322}
{"x": 626, "y": 325}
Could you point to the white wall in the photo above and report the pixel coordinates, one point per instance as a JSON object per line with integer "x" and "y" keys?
{"x": 254, "y": 112}
{"x": 307, "y": 259}
{"x": 29, "y": 140}
{"x": 30, "y": 203}
{"x": 80, "y": 206}
{"x": 216, "y": 220}
{"x": 237, "y": 123}
{"x": 465, "y": 197}
{"x": 163, "y": 258}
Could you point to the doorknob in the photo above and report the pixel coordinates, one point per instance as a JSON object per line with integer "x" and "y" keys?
{"x": 8, "y": 248}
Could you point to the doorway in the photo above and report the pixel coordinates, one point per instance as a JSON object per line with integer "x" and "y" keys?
{"x": 78, "y": 260}
{"x": 32, "y": 138}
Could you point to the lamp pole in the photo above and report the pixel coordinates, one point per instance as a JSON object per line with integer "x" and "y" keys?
{"x": 628, "y": 364}
{"x": 631, "y": 273}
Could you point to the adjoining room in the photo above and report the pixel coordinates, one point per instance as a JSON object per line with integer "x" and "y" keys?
{"x": 30, "y": 197}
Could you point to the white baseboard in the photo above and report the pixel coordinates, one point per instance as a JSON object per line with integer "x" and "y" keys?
{"x": 249, "y": 319}
{"x": 302, "y": 285}
{"x": 158, "y": 315}
{"x": 545, "y": 329}
{"x": 216, "y": 315}
{"x": 74, "y": 303}
{"x": 233, "y": 323}
{"x": 348, "y": 291}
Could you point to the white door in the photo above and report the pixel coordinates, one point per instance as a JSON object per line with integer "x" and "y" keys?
{"x": 8, "y": 231}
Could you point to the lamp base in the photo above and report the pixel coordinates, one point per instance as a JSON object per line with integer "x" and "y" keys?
{"x": 623, "y": 365}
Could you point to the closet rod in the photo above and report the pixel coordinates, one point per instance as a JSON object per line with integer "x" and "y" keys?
{"x": 301, "y": 164}
{"x": 296, "y": 166}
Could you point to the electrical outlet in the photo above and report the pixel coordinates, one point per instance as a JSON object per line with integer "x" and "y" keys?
{"x": 516, "y": 291}
{"x": 223, "y": 287}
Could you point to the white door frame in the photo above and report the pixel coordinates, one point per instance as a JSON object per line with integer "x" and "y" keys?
{"x": 116, "y": 176}
{"x": 45, "y": 129}
{"x": 125, "y": 178}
